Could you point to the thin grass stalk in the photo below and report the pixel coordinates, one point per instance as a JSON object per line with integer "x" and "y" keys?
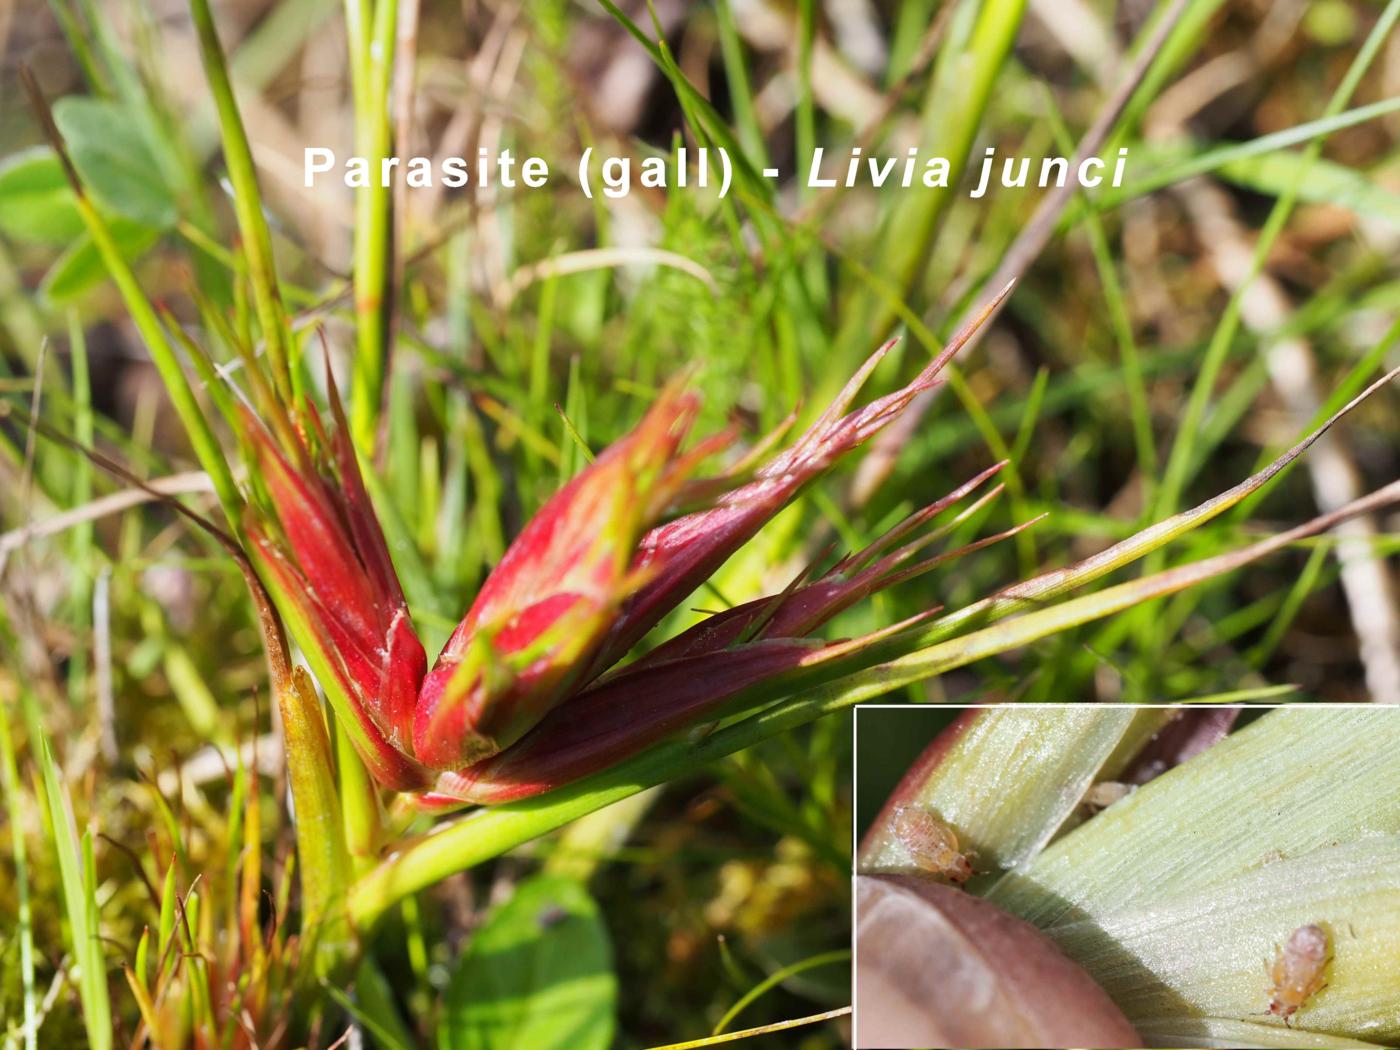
{"x": 1179, "y": 461}
{"x": 247, "y": 202}
{"x": 1186, "y": 27}
{"x": 736, "y": 72}
{"x": 99, "y": 31}
{"x": 765, "y": 1029}
{"x": 76, "y": 877}
{"x": 805, "y": 121}
{"x": 79, "y": 40}
{"x": 372, "y": 28}
{"x": 958, "y": 95}
{"x": 81, "y": 540}
{"x": 24, "y": 924}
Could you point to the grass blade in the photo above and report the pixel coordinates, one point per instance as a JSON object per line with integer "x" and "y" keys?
{"x": 80, "y": 905}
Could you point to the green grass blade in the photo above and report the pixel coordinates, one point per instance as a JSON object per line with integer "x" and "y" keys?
{"x": 1241, "y": 157}
{"x": 958, "y": 95}
{"x": 24, "y": 926}
{"x": 1033, "y": 593}
{"x": 740, "y": 92}
{"x": 80, "y": 905}
{"x": 1178, "y": 461}
{"x": 1321, "y": 182}
{"x": 372, "y": 26}
{"x": 247, "y": 201}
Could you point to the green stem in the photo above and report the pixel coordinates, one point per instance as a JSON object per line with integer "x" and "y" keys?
{"x": 958, "y": 96}
{"x": 776, "y": 978}
{"x": 322, "y": 856}
{"x": 252, "y": 224}
{"x": 371, "y": 30}
{"x": 24, "y": 928}
{"x": 192, "y": 416}
{"x": 247, "y": 201}
{"x": 360, "y": 812}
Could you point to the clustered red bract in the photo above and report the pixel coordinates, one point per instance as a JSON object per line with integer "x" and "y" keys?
{"x": 526, "y": 695}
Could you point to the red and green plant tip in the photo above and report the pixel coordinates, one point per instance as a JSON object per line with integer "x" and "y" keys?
{"x": 523, "y": 696}
{"x": 758, "y": 644}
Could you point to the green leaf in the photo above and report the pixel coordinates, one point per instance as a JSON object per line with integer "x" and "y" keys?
{"x": 1171, "y": 164}
{"x": 1206, "y": 952}
{"x": 115, "y": 161}
{"x": 1318, "y": 181}
{"x": 78, "y": 881}
{"x": 82, "y": 266}
{"x": 1004, "y": 783}
{"x": 539, "y": 973}
{"x": 36, "y": 203}
{"x": 1176, "y": 898}
{"x": 1315, "y": 777}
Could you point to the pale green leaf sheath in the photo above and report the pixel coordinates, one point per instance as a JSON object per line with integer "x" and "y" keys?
{"x": 1178, "y": 898}
{"x": 1008, "y": 782}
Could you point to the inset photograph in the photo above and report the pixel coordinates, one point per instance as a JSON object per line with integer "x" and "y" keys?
{"x": 1113, "y": 876}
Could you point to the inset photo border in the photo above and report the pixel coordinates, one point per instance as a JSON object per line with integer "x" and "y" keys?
{"x": 1090, "y": 875}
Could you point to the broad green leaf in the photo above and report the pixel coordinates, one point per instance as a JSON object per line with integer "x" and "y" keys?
{"x": 1206, "y": 952}
{"x": 1177, "y": 898}
{"x": 539, "y": 973}
{"x": 36, "y": 203}
{"x": 1298, "y": 779}
{"x": 114, "y": 160}
{"x": 81, "y": 266}
{"x": 1004, "y": 780}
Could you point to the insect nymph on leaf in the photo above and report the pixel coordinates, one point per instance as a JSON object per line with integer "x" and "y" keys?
{"x": 931, "y": 844}
{"x": 1297, "y": 971}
